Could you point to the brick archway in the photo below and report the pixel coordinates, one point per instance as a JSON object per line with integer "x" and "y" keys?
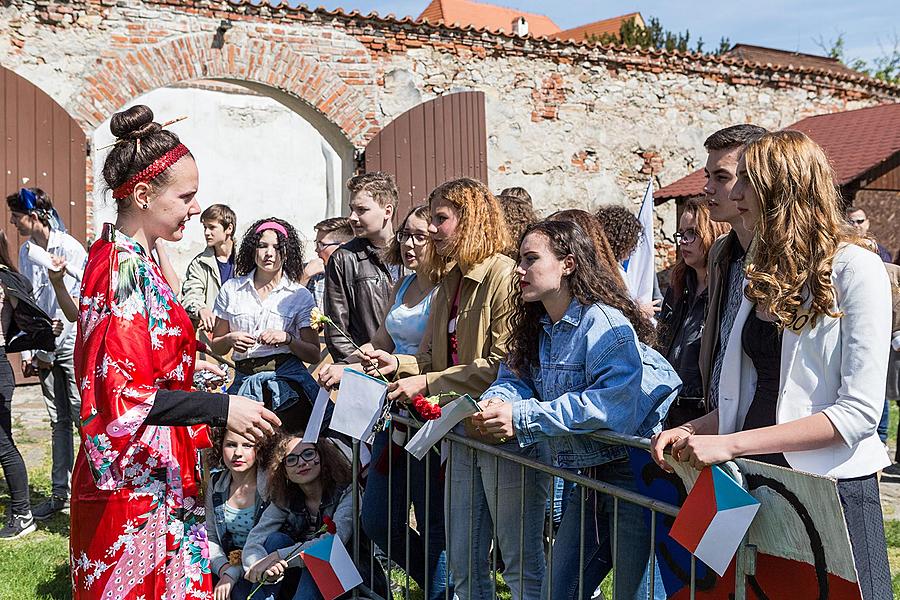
{"x": 339, "y": 111}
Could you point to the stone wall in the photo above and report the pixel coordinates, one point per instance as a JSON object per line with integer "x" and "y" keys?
{"x": 576, "y": 124}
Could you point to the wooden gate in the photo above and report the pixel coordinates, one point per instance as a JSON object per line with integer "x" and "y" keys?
{"x": 436, "y": 141}
{"x": 40, "y": 142}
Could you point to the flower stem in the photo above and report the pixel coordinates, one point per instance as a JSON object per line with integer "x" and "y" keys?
{"x": 358, "y": 349}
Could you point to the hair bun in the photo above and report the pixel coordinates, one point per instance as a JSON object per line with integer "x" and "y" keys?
{"x": 133, "y": 123}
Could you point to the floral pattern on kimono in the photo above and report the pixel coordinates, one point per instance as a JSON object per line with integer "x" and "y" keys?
{"x": 138, "y": 529}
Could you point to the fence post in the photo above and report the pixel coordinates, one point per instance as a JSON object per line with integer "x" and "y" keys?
{"x": 744, "y": 565}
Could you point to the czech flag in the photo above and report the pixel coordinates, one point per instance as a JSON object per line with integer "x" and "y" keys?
{"x": 331, "y": 567}
{"x": 714, "y": 518}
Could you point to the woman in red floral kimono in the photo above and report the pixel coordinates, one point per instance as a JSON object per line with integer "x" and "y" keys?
{"x": 138, "y": 530}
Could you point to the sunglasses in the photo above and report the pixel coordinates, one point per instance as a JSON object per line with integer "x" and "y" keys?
{"x": 858, "y": 221}
{"x": 307, "y": 456}
{"x": 688, "y": 236}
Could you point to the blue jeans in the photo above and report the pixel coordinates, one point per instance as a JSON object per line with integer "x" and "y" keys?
{"x": 556, "y": 504}
{"x": 483, "y": 495}
{"x": 883, "y": 423}
{"x": 241, "y": 589}
{"x": 275, "y": 382}
{"x": 633, "y": 543}
{"x": 389, "y": 529}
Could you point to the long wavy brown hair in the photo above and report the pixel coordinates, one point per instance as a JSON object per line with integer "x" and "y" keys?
{"x": 594, "y": 229}
{"x": 707, "y": 232}
{"x": 800, "y": 228}
{"x": 480, "y": 234}
{"x": 335, "y": 473}
{"x": 590, "y": 282}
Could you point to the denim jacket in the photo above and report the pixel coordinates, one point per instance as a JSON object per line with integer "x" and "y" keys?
{"x": 593, "y": 374}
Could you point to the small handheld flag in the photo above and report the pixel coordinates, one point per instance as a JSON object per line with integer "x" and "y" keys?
{"x": 714, "y": 518}
{"x": 331, "y": 567}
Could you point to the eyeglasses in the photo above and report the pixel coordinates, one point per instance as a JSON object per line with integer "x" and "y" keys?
{"x": 308, "y": 455}
{"x": 688, "y": 236}
{"x": 322, "y": 245}
{"x": 417, "y": 238}
{"x": 858, "y": 221}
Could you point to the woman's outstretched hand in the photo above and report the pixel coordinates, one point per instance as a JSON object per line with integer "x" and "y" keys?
{"x": 251, "y": 419}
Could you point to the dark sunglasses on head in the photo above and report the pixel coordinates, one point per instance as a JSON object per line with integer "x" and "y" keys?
{"x": 308, "y": 455}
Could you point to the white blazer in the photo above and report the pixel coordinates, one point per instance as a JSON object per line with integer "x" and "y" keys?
{"x": 838, "y": 367}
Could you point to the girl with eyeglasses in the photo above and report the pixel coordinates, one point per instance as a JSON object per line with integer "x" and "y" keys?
{"x": 307, "y": 484}
{"x": 403, "y": 330}
{"x": 235, "y": 499}
{"x": 684, "y": 309}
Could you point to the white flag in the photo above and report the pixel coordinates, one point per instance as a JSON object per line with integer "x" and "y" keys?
{"x": 641, "y": 269}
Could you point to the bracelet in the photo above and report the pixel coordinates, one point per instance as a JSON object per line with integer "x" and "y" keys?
{"x": 290, "y": 339}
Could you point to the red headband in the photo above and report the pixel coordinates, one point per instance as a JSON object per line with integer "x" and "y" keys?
{"x": 152, "y": 171}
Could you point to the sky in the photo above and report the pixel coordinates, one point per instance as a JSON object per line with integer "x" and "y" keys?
{"x": 869, "y": 27}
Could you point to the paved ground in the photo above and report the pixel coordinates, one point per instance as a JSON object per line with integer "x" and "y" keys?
{"x": 32, "y": 434}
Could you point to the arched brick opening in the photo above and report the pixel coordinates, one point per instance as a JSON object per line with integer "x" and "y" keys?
{"x": 343, "y": 115}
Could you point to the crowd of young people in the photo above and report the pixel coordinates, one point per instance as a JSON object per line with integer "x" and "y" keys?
{"x": 771, "y": 343}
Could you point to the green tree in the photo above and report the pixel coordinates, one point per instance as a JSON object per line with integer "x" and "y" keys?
{"x": 654, "y": 35}
{"x": 885, "y": 67}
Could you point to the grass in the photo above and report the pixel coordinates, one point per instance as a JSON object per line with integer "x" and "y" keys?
{"x": 36, "y": 567}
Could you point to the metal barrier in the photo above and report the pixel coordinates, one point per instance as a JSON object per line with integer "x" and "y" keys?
{"x": 457, "y": 444}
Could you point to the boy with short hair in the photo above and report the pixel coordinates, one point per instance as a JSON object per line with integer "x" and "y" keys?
{"x": 211, "y": 268}
{"x": 358, "y": 285}
{"x": 330, "y": 235}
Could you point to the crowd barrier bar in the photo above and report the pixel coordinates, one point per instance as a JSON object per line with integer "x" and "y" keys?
{"x": 745, "y": 560}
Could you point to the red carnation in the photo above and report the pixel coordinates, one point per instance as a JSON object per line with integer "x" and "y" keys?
{"x": 330, "y": 527}
{"x": 428, "y": 408}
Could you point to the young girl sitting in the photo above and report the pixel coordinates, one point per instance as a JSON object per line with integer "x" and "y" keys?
{"x": 579, "y": 362}
{"x": 308, "y": 483}
{"x": 235, "y": 499}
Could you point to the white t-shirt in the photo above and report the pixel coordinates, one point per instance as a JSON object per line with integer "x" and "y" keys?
{"x": 286, "y": 308}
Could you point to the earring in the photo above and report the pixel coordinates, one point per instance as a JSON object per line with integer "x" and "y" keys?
{"x": 145, "y": 206}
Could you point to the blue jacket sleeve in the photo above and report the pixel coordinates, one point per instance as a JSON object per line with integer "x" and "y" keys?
{"x": 611, "y": 400}
{"x": 509, "y": 387}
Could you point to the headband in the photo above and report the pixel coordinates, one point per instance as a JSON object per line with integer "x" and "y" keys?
{"x": 29, "y": 202}
{"x": 151, "y": 172}
{"x": 273, "y": 226}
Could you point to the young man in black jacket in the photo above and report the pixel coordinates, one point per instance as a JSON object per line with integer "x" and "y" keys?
{"x": 358, "y": 285}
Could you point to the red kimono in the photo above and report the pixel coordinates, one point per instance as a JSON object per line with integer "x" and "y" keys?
{"x": 138, "y": 529}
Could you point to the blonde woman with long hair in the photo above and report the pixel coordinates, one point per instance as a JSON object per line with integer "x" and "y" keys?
{"x": 803, "y": 375}
{"x": 469, "y": 337}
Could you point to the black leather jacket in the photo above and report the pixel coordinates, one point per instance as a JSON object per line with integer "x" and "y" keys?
{"x": 358, "y": 294}
{"x": 681, "y": 327}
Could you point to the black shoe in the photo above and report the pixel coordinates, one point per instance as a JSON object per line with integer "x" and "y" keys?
{"x": 50, "y": 507}
{"x": 17, "y": 526}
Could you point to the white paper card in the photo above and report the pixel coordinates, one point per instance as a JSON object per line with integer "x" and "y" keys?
{"x": 432, "y": 432}
{"x": 314, "y": 426}
{"x": 44, "y": 259}
{"x": 358, "y": 404}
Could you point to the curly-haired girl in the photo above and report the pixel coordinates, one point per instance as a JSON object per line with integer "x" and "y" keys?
{"x": 262, "y": 314}
{"x": 309, "y": 484}
{"x": 577, "y": 364}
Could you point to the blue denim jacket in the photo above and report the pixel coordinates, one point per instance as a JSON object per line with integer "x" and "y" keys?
{"x": 593, "y": 374}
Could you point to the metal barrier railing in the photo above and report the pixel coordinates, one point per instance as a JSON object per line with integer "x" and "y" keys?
{"x": 585, "y": 484}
